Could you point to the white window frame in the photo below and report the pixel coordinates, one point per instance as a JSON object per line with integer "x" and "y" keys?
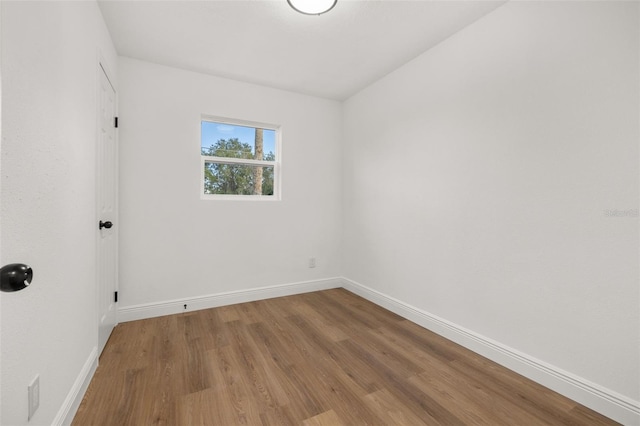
{"x": 277, "y": 190}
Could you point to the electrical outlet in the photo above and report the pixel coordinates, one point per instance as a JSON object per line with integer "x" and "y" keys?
{"x": 312, "y": 262}
{"x": 34, "y": 396}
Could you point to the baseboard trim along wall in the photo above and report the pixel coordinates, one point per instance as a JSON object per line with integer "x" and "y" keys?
{"x": 150, "y": 310}
{"x": 74, "y": 398}
{"x": 611, "y": 404}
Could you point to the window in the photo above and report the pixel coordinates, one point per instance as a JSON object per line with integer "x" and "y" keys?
{"x": 240, "y": 160}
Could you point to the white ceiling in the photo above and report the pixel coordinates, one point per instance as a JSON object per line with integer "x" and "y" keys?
{"x": 266, "y": 42}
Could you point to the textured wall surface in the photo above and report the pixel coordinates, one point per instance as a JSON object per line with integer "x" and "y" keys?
{"x": 175, "y": 245}
{"x": 49, "y": 85}
{"x": 479, "y": 181}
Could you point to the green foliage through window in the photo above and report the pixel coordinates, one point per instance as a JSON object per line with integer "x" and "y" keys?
{"x": 233, "y": 177}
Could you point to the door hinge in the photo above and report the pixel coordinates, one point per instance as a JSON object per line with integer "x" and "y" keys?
{"x": 115, "y": 296}
{"x": 115, "y": 122}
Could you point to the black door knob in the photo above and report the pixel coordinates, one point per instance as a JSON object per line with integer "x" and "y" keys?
{"x": 106, "y": 224}
{"x": 15, "y": 277}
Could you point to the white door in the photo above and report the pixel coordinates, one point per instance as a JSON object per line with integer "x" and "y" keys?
{"x": 106, "y": 222}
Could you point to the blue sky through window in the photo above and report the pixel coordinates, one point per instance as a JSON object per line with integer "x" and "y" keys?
{"x": 212, "y": 132}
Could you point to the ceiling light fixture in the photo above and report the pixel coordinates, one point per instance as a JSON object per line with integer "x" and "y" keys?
{"x": 312, "y": 7}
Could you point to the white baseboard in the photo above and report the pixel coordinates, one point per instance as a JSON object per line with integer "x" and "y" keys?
{"x": 605, "y": 401}
{"x": 151, "y": 310}
{"x": 74, "y": 398}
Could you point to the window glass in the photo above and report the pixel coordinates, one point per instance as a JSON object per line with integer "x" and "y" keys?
{"x": 238, "y": 160}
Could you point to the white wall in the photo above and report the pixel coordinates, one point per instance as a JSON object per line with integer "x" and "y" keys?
{"x": 174, "y": 245}
{"x": 477, "y": 179}
{"x": 49, "y": 85}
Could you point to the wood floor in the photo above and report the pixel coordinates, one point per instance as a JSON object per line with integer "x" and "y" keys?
{"x": 323, "y": 358}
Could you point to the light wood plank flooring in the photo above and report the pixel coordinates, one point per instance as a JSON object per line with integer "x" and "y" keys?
{"x": 323, "y": 358}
